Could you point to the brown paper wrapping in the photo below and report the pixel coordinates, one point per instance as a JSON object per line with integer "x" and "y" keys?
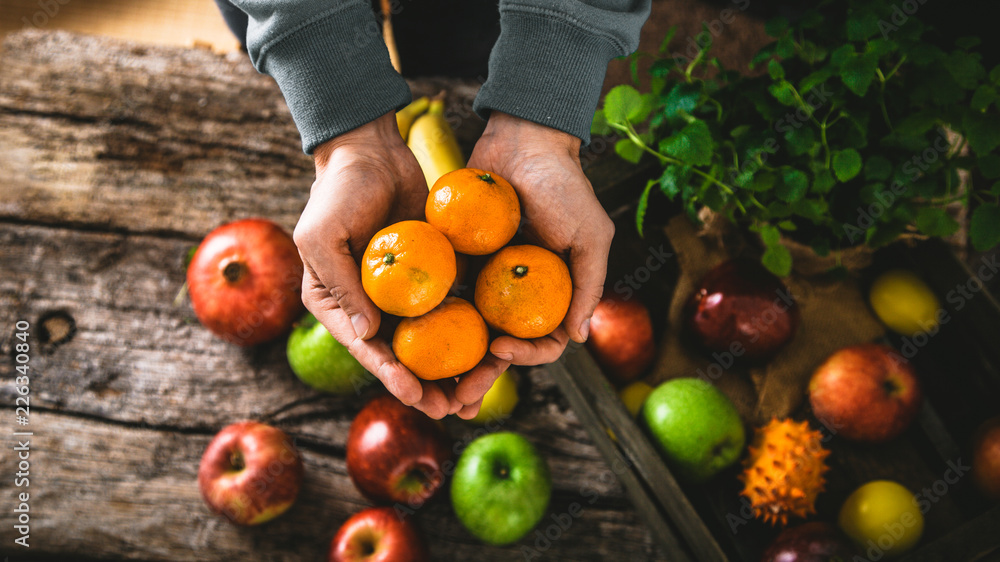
{"x": 834, "y": 314}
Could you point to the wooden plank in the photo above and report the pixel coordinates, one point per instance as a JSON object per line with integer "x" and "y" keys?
{"x": 130, "y": 492}
{"x": 155, "y": 139}
{"x": 137, "y": 363}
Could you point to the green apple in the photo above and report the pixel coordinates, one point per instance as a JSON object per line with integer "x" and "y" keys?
{"x": 501, "y": 487}
{"x": 499, "y": 400}
{"x": 697, "y": 428}
{"x": 321, "y": 361}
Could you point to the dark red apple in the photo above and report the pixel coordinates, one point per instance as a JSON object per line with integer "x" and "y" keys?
{"x": 865, "y": 392}
{"x": 986, "y": 458}
{"x": 250, "y": 472}
{"x": 395, "y": 453}
{"x": 378, "y": 534}
{"x": 245, "y": 281}
{"x": 621, "y": 337}
{"x": 742, "y": 309}
{"x": 815, "y": 541}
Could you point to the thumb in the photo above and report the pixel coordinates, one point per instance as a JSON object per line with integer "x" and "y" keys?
{"x": 339, "y": 273}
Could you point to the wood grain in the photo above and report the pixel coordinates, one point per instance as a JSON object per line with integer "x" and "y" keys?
{"x": 109, "y": 177}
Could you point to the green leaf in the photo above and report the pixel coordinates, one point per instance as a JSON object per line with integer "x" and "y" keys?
{"x": 983, "y": 97}
{"x": 812, "y": 53}
{"x": 785, "y": 48}
{"x": 775, "y": 70}
{"x": 640, "y": 212}
{"x": 815, "y": 79}
{"x": 968, "y": 42}
{"x": 917, "y": 123}
{"x": 620, "y": 102}
{"x": 784, "y": 93}
{"x": 842, "y": 54}
{"x": 823, "y": 182}
{"x": 800, "y": 141}
{"x": 846, "y": 164}
{"x": 671, "y": 180}
{"x": 984, "y": 230}
{"x": 662, "y": 67}
{"x": 858, "y": 73}
{"x": 861, "y": 26}
{"x": 989, "y": 165}
{"x": 934, "y": 221}
{"x": 775, "y": 27}
{"x": 966, "y": 69}
{"x": 682, "y": 99}
{"x": 764, "y": 181}
{"x": 778, "y": 260}
{"x": 787, "y": 225}
{"x": 692, "y": 144}
{"x": 769, "y": 234}
{"x": 765, "y": 53}
{"x": 628, "y": 150}
{"x": 983, "y": 132}
{"x": 599, "y": 125}
{"x": 878, "y": 168}
{"x": 641, "y": 111}
{"x": 995, "y": 190}
{"x": 793, "y": 186}
{"x": 995, "y": 75}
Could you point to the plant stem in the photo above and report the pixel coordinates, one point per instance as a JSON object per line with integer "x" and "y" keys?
{"x": 881, "y": 97}
{"x": 634, "y": 137}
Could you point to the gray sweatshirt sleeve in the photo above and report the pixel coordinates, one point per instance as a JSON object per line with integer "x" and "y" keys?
{"x": 329, "y": 60}
{"x": 549, "y": 62}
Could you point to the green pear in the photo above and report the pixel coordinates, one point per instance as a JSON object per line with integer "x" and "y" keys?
{"x": 696, "y": 427}
{"x": 322, "y": 362}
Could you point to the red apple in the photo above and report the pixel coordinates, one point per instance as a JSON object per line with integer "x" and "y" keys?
{"x": 250, "y": 472}
{"x": 865, "y": 392}
{"x": 395, "y": 453}
{"x": 378, "y": 534}
{"x": 245, "y": 281}
{"x": 742, "y": 309}
{"x": 986, "y": 458}
{"x": 815, "y": 541}
{"x": 621, "y": 337}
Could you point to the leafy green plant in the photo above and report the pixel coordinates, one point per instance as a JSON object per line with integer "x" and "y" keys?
{"x": 857, "y": 132}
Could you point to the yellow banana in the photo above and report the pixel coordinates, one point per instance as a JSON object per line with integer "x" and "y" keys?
{"x": 406, "y": 116}
{"x": 433, "y": 143}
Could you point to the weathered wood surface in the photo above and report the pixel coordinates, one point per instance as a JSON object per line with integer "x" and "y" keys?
{"x": 107, "y": 177}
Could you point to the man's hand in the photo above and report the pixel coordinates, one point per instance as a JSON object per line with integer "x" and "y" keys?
{"x": 561, "y": 213}
{"x": 365, "y": 179}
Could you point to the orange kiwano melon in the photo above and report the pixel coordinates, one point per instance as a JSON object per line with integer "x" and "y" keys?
{"x": 408, "y": 268}
{"x": 477, "y": 210}
{"x": 524, "y": 291}
{"x": 445, "y": 342}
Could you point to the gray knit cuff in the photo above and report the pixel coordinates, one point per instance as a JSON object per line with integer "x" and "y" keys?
{"x": 335, "y": 73}
{"x": 547, "y": 70}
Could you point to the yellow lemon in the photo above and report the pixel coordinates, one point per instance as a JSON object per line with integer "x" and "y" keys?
{"x": 634, "y": 395}
{"x": 499, "y": 400}
{"x": 904, "y": 303}
{"x": 882, "y": 515}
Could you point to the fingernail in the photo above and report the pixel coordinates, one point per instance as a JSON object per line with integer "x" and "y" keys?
{"x": 585, "y": 329}
{"x": 505, "y": 356}
{"x": 360, "y": 324}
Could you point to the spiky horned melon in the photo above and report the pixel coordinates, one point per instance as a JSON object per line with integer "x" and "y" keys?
{"x": 784, "y": 471}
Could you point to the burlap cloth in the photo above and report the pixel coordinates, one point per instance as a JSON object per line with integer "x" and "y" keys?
{"x": 833, "y": 310}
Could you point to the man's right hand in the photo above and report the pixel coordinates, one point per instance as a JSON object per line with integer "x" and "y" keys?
{"x": 365, "y": 179}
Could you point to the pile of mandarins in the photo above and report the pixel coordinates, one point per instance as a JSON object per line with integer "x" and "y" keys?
{"x": 409, "y": 269}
